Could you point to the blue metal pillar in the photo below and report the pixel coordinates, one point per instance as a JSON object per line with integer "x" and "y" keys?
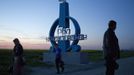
{"x": 64, "y": 23}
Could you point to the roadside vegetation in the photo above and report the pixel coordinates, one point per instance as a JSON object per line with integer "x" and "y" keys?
{"x": 34, "y": 58}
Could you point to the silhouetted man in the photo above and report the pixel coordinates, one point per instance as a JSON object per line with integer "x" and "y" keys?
{"x": 18, "y": 57}
{"x": 58, "y": 61}
{"x": 111, "y": 48}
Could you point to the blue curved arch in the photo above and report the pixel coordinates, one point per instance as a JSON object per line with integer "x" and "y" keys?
{"x": 77, "y": 30}
{"x": 52, "y": 31}
{"x": 54, "y": 26}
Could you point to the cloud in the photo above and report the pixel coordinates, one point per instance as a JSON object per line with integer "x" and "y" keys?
{"x": 7, "y": 37}
{"x": 5, "y": 29}
{"x": 42, "y": 37}
{"x": 2, "y": 40}
{"x": 36, "y": 46}
{"x": 6, "y": 45}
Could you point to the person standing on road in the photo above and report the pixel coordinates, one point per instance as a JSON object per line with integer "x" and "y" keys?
{"x": 18, "y": 62}
{"x": 58, "y": 61}
{"x": 111, "y": 48}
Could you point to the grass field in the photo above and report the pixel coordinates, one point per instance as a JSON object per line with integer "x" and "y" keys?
{"x": 34, "y": 58}
{"x": 97, "y": 55}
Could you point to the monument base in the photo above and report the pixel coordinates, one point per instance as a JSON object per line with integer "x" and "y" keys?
{"x": 68, "y": 57}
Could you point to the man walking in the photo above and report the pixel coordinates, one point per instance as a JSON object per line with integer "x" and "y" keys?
{"x": 58, "y": 61}
{"x": 18, "y": 58}
{"x": 111, "y": 48}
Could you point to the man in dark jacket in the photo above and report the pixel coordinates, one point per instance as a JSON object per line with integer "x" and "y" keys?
{"x": 111, "y": 48}
{"x": 58, "y": 59}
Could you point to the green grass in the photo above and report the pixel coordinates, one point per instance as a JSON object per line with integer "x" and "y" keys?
{"x": 125, "y": 54}
{"x": 94, "y": 55}
{"x": 34, "y": 58}
{"x": 5, "y": 56}
{"x": 97, "y": 55}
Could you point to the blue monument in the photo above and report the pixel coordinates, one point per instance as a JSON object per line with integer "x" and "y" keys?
{"x": 60, "y": 33}
{"x": 61, "y": 26}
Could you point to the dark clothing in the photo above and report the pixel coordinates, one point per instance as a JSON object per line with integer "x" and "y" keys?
{"x": 111, "y": 66}
{"x": 110, "y": 45}
{"x": 58, "y": 61}
{"x": 111, "y": 51}
{"x": 18, "y": 59}
{"x": 18, "y": 50}
{"x": 59, "y": 64}
{"x": 58, "y": 52}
